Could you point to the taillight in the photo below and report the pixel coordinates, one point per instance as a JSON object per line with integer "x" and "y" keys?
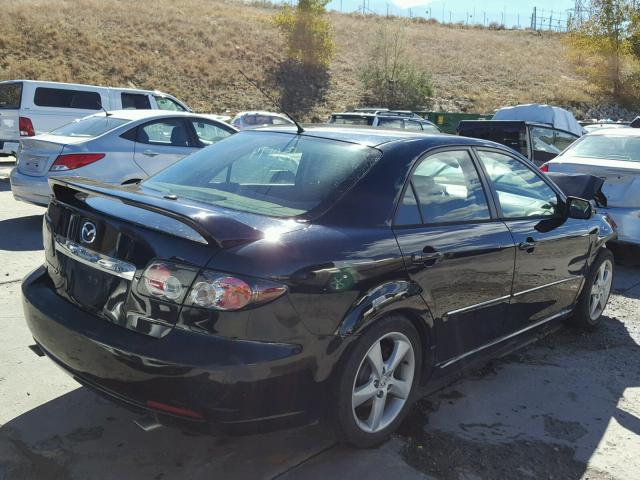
{"x": 220, "y": 291}
{"x": 166, "y": 281}
{"x": 544, "y": 168}
{"x": 74, "y": 160}
{"x": 26, "y": 127}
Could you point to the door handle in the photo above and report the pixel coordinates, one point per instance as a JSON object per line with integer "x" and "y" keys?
{"x": 528, "y": 246}
{"x": 150, "y": 153}
{"x": 428, "y": 257}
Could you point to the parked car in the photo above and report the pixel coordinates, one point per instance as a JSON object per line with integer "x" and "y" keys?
{"x": 400, "y": 120}
{"x": 537, "y": 141}
{"x": 614, "y": 156}
{"x": 276, "y": 278}
{"x": 119, "y": 147}
{"x": 32, "y": 107}
{"x": 245, "y": 120}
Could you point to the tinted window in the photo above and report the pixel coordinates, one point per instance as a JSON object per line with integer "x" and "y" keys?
{"x": 512, "y": 135}
{"x": 89, "y": 126}
{"x": 521, "y": 192}
{"x": 10, "y": 95}
{"x": 449, "y": 189}
{"x": 135, "y": 101}
{"x": 165, "y": 103}
{"x": 208, "y": 132}
{"x": 351, "y": 120}
{"x": 268, "y": 173}
{"x": 281, "y": 121}
{"x": 611, "y": 147}
{"x": 62, "y": 98}
{"x": 170, "y": 133}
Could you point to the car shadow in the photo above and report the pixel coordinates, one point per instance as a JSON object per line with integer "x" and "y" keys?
{"x": 539, "y": 413}
{"x": 21, "y": 233}
{"x": 5, "y": 185}
{"x": 82, "y": 432}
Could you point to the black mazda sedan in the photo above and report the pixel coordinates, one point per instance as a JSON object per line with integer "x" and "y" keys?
{"x": 278, "y": 277}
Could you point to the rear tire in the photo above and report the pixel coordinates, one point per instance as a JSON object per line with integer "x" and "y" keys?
{"x": 377, "y": 382}
{"x": 595, "y": 293}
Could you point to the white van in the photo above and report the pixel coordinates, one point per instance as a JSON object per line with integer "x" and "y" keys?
{"x": 31, "y": 107}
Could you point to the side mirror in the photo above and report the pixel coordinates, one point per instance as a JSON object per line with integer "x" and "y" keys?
{"x": 579, "y": 208}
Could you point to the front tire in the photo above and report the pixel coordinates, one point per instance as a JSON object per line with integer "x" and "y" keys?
{"x": 377, "y": 382}
{"x": 595, "y": 293}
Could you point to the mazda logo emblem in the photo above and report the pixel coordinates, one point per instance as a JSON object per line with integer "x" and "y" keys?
{"x": 88, "y": 232}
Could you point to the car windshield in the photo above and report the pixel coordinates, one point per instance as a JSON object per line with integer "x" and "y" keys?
{"x": 89, "y": 127}
{"x": 610, "y": 147}
{"x": 268, "y": 173}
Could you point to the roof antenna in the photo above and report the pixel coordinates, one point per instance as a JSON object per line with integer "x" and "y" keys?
{"x": 106, "y": 114}
{"x": 271, "y": 99}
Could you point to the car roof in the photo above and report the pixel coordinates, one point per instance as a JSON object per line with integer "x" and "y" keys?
{"x": 44, "y": 83}
{"x": 617, "y": 132}
{"x": 260, "y": 112}
{"x": 375, "y": 137}
{"x": 142, "y": 114}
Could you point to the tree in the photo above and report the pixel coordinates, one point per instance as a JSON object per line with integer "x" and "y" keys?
{"x": 603, "y": 42}
{"x": 389, "y": 77}
{"x": 308, "y": 33}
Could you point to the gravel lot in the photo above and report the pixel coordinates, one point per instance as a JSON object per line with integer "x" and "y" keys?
{"x": 567, "y": 406}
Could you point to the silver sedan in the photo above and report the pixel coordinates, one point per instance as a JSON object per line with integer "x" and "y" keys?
{"x": 116, "y": 147}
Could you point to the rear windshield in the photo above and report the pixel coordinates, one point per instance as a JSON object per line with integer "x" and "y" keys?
{"x": 351, "y": 119}
{"x": 613, "y": 147}
{"x": 89, "y": 127}
{"x": 10, "y": 95}
{"x": 274, "y": 174}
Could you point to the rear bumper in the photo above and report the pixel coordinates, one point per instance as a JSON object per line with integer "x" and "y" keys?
{"x": 628, "y": 221}
{"x": 233, "y": 386}
{"x": 30, "y": 189}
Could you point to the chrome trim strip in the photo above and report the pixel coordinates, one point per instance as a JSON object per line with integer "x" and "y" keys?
{"x": 523, "y": 292}
{"x": 502, "y": 339}
{"x": 93, "y": 259}
{"x": 478, "y": 305}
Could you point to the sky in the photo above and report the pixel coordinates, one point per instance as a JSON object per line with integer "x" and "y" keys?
{"x": 459, "y": 10}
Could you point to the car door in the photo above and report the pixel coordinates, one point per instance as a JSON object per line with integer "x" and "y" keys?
{"x": 551, "y": 249}
{"x": 457, "y": 251}
{"x": 160, "y": 143}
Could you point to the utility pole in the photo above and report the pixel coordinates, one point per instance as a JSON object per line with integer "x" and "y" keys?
{"x": 443, "y": 20}
{"x": 450, "y": 16}
{"x": 534, "y": 20}
{"x": 484, "y": 18}
{"x": 550, "y": 19}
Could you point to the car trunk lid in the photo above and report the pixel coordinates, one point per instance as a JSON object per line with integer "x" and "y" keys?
{"x": 37, "y": 154}
{"x": 131, "y": 229}
{"x": 621, "y": 178}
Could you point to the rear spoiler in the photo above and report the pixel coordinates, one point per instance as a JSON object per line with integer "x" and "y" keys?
{"x": 209, "y": 225}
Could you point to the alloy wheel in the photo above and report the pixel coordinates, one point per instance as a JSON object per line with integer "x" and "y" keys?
{"x": 383, "y": 382}
{"x": 600, "y": 289}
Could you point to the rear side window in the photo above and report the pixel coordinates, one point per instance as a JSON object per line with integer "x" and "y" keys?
{"x": 10, "y": 95}
{"x": 135, "y": 101}
{"x": 63, "y": 98}
{"x": 351, "y": 120}
{"x": 168, "y": 133}
{"x": 268, "y": 173}
{"x": 448, "y": 189}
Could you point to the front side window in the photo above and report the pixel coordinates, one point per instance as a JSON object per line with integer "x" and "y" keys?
{"x": 63, "y": 98}
{"x": 168, "y": 133}
{"x": 563, "y": 139}
{"x": 412, "y": 125}
{"x": 448, "y": 189}
{"x": 268, "y": 173}
{"x": 135, "y": 101}
{"x": 208, "y": 132}
{"x": 89, "y": 127}
{"x": 166, "y": 103}
{"x": 521, "y": 192}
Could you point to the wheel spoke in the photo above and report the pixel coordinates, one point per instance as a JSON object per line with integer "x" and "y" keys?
{"x": 375, "y": 359}
{"x": 595, "y": 303}
{"x": 400, "y": 349}
{"x": 363, "y": 393}
{"x": 377, "y": 410}
{"x": 400, "y": 388}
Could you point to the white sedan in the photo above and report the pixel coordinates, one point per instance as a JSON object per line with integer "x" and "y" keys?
{"x": 614, "y": 156}
{"x": 117, "y": 147}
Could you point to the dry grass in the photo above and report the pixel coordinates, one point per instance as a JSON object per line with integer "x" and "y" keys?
{"x": 194, "y": 48}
